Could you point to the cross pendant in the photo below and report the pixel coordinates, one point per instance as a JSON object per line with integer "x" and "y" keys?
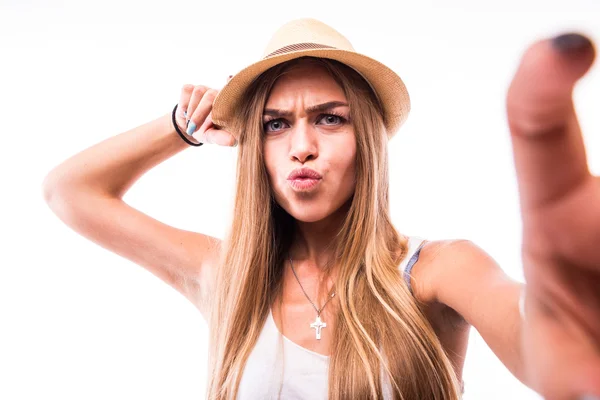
{"x": 317, "y": 325}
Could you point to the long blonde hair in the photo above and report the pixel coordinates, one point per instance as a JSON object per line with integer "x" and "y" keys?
{"x": 380, "y": 328}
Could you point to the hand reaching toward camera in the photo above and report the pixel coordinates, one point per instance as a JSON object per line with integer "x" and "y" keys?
{"x": 560, "y": 207}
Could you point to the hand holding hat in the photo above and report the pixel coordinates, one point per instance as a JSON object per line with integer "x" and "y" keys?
{"x": 194, "y": 116}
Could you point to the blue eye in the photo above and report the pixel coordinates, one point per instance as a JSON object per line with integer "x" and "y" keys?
{"x": 332, "y": 119}
{"x": 274, "y": 125}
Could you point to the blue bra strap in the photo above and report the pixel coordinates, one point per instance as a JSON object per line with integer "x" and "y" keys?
{"x": 411, "y": 263}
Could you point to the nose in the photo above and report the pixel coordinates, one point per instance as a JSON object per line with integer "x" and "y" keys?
{"x": 304, "y": 143}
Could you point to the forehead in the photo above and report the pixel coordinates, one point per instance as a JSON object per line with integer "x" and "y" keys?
{"x": 308, "y": 81}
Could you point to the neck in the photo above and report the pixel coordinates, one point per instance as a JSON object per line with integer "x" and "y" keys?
{"x": 312, "y": 247}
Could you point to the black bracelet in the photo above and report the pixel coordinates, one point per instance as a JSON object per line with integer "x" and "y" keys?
{"x": 184, "y": 136}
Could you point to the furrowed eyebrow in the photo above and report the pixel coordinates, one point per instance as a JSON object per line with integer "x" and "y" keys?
{"x": 325, "y": 106}
{"x": 310, "y": 110}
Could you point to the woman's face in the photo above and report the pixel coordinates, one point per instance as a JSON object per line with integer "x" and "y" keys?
{"x": 309, "y": 143}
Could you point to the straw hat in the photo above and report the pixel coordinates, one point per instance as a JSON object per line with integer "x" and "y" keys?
{"x": 309, "y": 37}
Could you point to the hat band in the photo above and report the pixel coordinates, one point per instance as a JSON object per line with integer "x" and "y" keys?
{"x": 297, "y": 47}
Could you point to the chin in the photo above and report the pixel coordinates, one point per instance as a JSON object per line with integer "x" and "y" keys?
{"x": 313, "y": 210}
{"x": 308, "y": 213}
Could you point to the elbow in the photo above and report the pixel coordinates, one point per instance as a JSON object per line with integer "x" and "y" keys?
{"x": 50, "y": 188}
{"x": 53, "y": 191}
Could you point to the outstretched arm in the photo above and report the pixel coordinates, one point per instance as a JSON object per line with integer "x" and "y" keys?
{"x": 468, "y": 280}
{"x": 555, "y": 347}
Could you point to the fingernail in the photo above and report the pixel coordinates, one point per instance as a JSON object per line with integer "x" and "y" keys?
{"x": 589, "y": 397}
{"x": 191, "y": 128}
{"x": 571, "y": 42}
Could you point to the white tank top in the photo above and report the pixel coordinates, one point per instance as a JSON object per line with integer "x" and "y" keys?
{"x": 278, "y": 368}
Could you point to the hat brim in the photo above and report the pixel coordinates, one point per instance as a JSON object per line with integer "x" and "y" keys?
{"x": 388, "y": 86}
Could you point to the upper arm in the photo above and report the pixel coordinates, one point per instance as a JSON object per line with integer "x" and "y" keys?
{"x": 181, "y": 258}
{"x": 468, "y": 280}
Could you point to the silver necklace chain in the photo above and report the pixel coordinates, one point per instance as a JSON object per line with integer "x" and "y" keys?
{"x": 301, "y": 287}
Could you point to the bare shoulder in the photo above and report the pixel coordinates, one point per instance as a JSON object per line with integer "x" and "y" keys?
{"x": 452, "y": 270}
{"x": 425, "y": 274}
{"x": 439, "y": 260}
{"x": 430, "y": 272}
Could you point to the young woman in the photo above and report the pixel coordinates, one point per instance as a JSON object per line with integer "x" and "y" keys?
{"x": 314, "y": 293}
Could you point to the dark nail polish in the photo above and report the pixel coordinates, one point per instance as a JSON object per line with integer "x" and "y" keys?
{"x": 571, "y": 42}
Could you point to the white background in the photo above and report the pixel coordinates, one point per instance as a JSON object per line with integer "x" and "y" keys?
{"x": 79, "y": 322}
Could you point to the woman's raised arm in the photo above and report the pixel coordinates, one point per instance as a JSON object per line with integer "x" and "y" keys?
{"x": 86, "y": 192}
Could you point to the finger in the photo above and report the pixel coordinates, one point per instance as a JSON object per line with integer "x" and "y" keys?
{"x": 207, "y": 124}
{"x": 201, "y": 111}
{"x": 548, "y": 148}
{"x": 196, "y": 97}
{"x": 184, "y": 100}
{"x": 220, "y": 137}
{"x": 209, "y": 133}
{"x": 200, "y": 132}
